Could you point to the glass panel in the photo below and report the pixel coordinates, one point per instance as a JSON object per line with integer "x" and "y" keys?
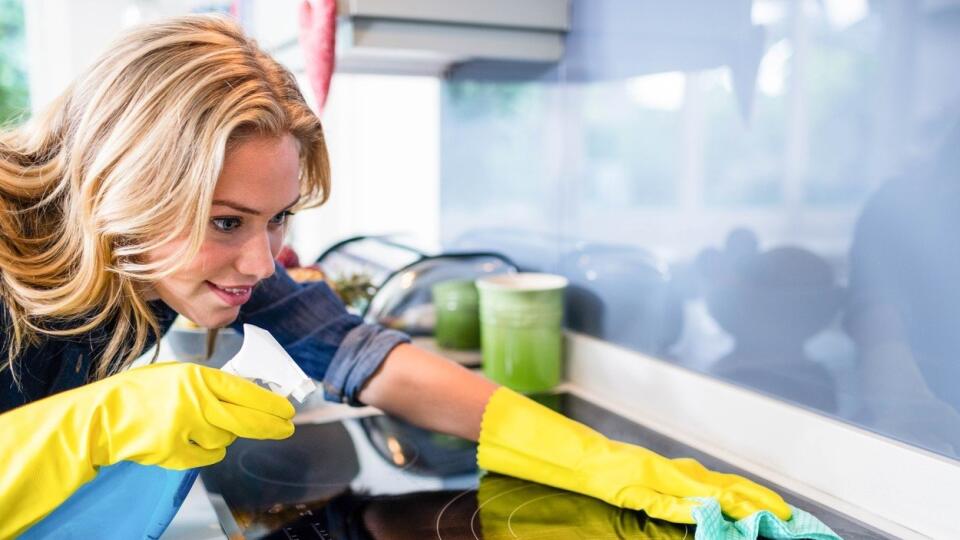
{"x": 767, "y": 193}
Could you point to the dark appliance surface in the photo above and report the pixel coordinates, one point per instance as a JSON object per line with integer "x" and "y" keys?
{"x": 379, "y": 478}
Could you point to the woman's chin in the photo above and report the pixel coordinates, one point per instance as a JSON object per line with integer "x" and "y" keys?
{"x": 216, "y": 319}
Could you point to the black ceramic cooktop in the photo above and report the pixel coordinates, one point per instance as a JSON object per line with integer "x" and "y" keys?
{"x": 379, "y": 478}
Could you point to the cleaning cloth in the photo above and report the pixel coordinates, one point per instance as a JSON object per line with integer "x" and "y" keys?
{"x": 711, "y": 525}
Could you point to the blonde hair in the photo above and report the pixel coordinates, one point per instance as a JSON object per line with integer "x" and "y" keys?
{"x": 126, "y": 160}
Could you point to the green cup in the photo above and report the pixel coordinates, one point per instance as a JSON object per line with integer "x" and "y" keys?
{"x": 521, "y": 329}
{"x": 458, "y": 317}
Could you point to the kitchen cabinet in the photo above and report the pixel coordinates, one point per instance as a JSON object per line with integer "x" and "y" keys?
{"x": 428, "y": 36}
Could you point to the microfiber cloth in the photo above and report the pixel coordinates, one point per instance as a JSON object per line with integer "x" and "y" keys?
{"x": 711, "y": 525}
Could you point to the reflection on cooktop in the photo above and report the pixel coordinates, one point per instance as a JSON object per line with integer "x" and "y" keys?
{"x": 417, "y": 450}
{"x": 501, "y": 508}
{"x": 379, "y": 478}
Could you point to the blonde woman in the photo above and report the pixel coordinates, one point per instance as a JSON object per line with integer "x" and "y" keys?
{"x": 160, "y": 183}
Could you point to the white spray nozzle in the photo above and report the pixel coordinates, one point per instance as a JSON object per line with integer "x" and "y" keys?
{"x": 262, "y": 358}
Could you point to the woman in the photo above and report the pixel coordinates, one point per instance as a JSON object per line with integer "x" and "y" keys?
{"x": 160, "y": 183}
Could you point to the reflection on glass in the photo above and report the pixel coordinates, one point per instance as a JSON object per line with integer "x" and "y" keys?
{"x": 839, "y": 88}
{"x": 808, "y": 236}
{"x": 905, "y": 303}
{"x": 771, "y": 302}
{"x": 743, "y": 163}
{"x": 631, "y": 140}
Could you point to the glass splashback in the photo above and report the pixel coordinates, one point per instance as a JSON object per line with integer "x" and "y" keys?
{"x": 767, "y": 192}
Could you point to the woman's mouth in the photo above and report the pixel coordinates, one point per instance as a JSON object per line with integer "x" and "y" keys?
{"x": 232, "y": 295}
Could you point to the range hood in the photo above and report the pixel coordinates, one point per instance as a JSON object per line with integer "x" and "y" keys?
{"x": 428, "y": 36}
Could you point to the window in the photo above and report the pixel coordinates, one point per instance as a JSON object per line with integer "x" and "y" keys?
{"x": 14, "y": 102}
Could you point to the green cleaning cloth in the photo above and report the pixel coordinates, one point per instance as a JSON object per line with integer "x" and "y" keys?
{"x": 711, "y": 525}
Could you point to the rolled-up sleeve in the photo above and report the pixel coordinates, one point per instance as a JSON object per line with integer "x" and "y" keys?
{"x": 312, "y": 324}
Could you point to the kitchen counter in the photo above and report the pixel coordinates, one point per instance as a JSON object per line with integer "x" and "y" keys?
{"x": 424, "y": 493}
{"x": 197, "y": 518}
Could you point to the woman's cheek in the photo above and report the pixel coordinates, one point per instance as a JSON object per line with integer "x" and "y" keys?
{"x": 211, "y": 257}
{"x": 276, "y": 242}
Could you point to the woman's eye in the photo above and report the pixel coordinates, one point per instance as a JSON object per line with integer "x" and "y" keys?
{"x": 226, "y": 224}
{"x": 281, "y": 218}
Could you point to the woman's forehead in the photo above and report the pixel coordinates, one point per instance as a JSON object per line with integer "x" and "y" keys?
{"x": 261, "y": 172}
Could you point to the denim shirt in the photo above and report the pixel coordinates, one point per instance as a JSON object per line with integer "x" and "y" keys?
{"x": 330, "y": 344}
{"x": 313, "y": 325}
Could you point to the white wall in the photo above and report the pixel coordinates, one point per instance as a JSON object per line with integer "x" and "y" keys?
{"x": 383, "y": 134}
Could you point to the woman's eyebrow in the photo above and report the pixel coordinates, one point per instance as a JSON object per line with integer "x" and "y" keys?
{"x": 246, "y": 209}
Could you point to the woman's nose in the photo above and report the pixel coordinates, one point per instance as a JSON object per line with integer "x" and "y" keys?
{"x": 256, "y": 257}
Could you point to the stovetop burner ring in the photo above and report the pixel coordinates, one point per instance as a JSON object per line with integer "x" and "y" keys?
{"x": 450, "y": 503}
{"x": 474, "y": 518}
{"x": 250, "y": 469}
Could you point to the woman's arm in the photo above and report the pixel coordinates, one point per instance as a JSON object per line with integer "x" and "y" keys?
{"x": 430, "y": 391}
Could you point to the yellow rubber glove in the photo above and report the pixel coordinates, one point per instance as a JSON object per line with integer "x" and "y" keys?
{"x": 511, "y": 508}
{"x": 522, "y": 438}
{"x": 174, "y": 415}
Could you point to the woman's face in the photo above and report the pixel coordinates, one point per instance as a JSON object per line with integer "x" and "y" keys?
{"x": 259, "y": 183}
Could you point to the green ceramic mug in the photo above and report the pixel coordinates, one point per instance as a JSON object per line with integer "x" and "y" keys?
{"x": 521, "y": 329}
{"x": 458, "y": 317}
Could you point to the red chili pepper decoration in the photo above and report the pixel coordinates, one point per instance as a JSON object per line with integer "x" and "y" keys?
{"x": 318, "y": 29}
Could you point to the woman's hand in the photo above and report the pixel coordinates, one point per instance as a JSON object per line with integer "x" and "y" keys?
{"x": 174, "y": 415}
{"x": 521, "y": 438}
{"x": 181, "y": 416}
